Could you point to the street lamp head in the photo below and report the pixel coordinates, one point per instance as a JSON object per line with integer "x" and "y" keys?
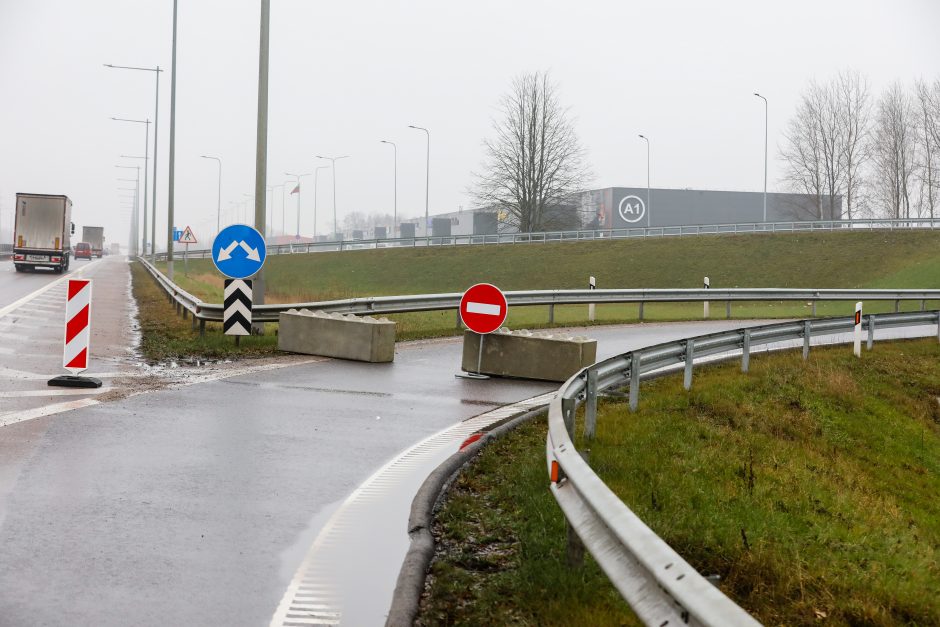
{"x": 643, "y": 137}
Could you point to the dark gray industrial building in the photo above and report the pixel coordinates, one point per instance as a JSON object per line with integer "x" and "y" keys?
{"x": 623, "y": 207}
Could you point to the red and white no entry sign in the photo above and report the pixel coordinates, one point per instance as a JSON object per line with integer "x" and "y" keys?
{"x": 483, "y": 308}
{"x": 77, "y": 325}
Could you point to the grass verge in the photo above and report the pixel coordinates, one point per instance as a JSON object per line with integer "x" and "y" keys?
{"x": 809, "y": 487}
{"x": 501, "y": 548}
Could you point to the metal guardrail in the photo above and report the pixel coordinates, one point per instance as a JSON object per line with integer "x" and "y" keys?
{"x": 660, "y": 586}
{"x": 212, "y": 312}
{"x": 585, "y": 236}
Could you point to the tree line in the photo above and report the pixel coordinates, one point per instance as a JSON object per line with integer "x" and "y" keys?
{"x": 880, "y": 153}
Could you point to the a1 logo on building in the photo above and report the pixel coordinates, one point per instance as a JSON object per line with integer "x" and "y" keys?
{"x": 632, "y": 209}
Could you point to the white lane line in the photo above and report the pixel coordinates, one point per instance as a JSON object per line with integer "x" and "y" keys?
{"x": 55, "y": 392}
{"x": 48, "y": 410}
{"x": 45, "y": 288}
{"x": 483, "y": 308}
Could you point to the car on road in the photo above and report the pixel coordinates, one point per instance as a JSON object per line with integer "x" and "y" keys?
{"x": 83, "y": 250}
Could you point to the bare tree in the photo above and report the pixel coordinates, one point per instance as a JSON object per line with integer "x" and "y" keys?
{"x": 928, "y": 139}
{"x": 826, "y": 143}
{"x": 894, "y": 151}
{"x": 535, "y": 164}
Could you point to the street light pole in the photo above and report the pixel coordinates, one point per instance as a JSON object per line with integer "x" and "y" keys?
{"x": 395, "y": 210}
{"x": 333, "y": 161}
{"x": 171, "y": 193}
{"x": 135, "y": 224}
{"x": 261, "y": 154}
{"x": 427, "y": 176}
{"x": 218, "y": 204}
{"x": 649, "y": 208}
{"x": 765, "y": 153}
{"x": 316, "y": 178}
{"x": 146, "y": 157}
{"x": 156, "y": 143}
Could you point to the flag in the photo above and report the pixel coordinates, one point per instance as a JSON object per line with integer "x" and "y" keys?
{"x": 296, "y": 190}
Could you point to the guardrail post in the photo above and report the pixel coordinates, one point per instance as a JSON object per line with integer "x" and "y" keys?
{"x": 567, "y": 411}
{"x": 807, "y": 334}
{"x": 185, "y": 313}
{"x": 634, "y": 380}
{"x": 641, "y": 311}
{"x": 689, "y": 362}
{"x": 457, "y": 325}
{"x": 728, "y": 310}
{"x": 814, "y": 308}
{"x": 590, "y": 404}
{"x": 897, "y": 306}
{"x": 202, "y": 328}
{"x": 923, "y": 305}
{"x": 871, "y": 331}
{"x": 746, "y": 351}
{"x": 194, "y": 322}
{"x": 551, "y": 314}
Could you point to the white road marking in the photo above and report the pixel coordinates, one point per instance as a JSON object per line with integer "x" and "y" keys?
{"x": 484, "y": 308}
{"x": 55, "y": 392}
{"x": 45, "y": 288}
{"x": 48, "y": 410}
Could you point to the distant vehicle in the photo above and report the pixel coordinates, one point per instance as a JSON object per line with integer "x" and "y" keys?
{"x": 83, "y": 250}
{"x": 41, "y": 234}
{"x": 115, "y": 248}
{"x": 94, "y": 235}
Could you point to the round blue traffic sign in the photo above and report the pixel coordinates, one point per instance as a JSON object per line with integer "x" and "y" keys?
{"x": 238, "y": 251}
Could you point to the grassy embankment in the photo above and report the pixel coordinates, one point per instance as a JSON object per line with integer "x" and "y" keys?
{"x": 810, "y": 488}
{"x": 843, "y": 260}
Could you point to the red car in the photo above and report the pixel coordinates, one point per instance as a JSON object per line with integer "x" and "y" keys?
{"x": 83, "y": 250}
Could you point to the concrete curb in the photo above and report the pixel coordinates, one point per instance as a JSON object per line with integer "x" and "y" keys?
{"x": 414, "y": 569}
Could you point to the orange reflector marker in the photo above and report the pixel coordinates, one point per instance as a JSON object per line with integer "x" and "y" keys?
{"x": 556, "y": 471}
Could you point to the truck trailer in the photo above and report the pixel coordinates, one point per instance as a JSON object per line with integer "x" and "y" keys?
{"x": 41, "y": 232}
{"x": 94, "y": 235}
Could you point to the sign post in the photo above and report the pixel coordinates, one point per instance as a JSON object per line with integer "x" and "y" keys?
{"x": 187, "y": 237}
{"x": 77, "y": 336}
{"x": 483, "y": 308}
{"x": 238, "y": 252}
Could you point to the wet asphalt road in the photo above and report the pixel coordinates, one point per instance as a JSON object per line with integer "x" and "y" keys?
{"x": 195, "y": 505}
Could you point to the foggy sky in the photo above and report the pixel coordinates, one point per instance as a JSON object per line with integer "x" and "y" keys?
{"x": 347, "y": 74}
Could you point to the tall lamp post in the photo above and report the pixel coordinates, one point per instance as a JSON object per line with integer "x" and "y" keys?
{"x": 156, "y": 142}
{"x": 297, "y": 178}
{"x": 649, "y": 208}
{"x": 395, "y": 209}
{"x": 333, "y": 161}
{"x": 427, "y": 176}
{"x": 135, "y": 225}
{"x": 146, "y": 157}
{"x": 218, "y": 201}
{"x": 765, "y": 153}
{"x": 316, "y": 178}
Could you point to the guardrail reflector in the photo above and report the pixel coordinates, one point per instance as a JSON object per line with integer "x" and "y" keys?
{"x": 555, "y": 472}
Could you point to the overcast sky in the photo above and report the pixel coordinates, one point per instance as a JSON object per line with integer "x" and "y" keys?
{"x": 347, "y": 74}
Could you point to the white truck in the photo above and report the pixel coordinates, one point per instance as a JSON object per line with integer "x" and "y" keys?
{"x": 94, "y": 235}
{"x": 41, "y": 232}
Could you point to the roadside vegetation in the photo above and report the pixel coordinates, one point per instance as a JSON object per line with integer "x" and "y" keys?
{"x": 810, "y": 488}
{"x": 845, "y": 260}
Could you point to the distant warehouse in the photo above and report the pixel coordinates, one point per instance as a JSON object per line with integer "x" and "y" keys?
{"x": 631, "y": 207}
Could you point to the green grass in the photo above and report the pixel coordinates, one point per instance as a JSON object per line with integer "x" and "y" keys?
{"x": 501, "y": 549}
{"x": 811, "y": 488}
{"x": 843, "y": 260}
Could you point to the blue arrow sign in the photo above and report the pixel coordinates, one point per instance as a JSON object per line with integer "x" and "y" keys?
{"x": 238, "y": 251}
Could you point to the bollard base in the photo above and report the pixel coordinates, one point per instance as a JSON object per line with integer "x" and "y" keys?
{"x": 73, "y": 381}
{"x": 471, "y": 375}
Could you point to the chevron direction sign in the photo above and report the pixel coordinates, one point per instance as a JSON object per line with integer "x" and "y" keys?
{"x": 236, "y": 316}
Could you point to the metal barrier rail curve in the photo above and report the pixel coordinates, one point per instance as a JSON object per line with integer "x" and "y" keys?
{"x": 212, "y": 312}
{"x": 496, "y": 239}
{"x": 661, "y": 587}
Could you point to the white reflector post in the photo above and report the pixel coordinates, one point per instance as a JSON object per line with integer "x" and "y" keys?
{"x": 858, "y": 330}
{"x": 77, "y": 325}
{"x": 592, "y": 284}
{"x": 705, "y": 303}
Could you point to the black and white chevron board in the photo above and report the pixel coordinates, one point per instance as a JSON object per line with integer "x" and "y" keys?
{"x": 236, "y": 316}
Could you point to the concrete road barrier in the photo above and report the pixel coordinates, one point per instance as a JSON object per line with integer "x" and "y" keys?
{"x": 540, "y": 355}
{"x": 360, "y": 338}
